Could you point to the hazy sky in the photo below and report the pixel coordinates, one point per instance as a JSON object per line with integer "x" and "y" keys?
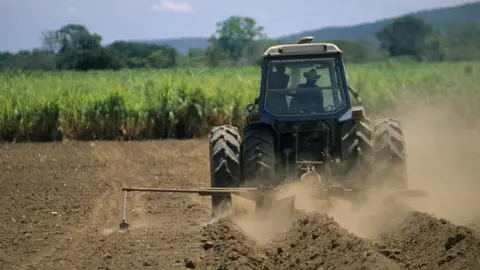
{"x": 22, "y": 21}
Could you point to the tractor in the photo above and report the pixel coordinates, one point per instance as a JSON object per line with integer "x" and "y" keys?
{"x": 306, "y": 121}
{"x": 307, "y": 124}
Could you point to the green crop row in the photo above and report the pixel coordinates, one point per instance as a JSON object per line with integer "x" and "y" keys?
{"x": 184, "y": 103}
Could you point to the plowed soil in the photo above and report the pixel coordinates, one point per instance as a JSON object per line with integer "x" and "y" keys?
{"x": 61, "y": 204}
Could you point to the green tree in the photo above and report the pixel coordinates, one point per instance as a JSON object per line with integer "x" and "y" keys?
{"x": 462, "y": 41}
{"x": 195, "y": 57}
{"x": 28, "y": 60}
{"x": 353, "y": 51}
{"x": 406, "y": 36}
{"x": 234, "y": 36}
{"x": 98, "y": 59}
{"x": 435, "y": 47}
{"x": 76, "y": 48}
{"x": 215, "y": 54}
{"x": 140, "y": 55}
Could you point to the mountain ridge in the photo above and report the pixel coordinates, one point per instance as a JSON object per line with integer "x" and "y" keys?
{"x": 438, "y": 17}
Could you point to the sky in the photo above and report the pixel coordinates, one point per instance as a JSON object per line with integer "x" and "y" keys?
{"x": 22, "y": 21}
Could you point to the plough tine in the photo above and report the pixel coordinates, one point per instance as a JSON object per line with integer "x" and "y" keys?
{"x": 124, "y": 225}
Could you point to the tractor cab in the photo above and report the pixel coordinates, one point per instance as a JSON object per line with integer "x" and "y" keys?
{"x": 303, "y": 87}
{"x": 304, "y": 80}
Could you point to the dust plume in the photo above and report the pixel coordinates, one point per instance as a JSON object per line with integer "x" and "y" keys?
{"x": 365, "y": 222}
{"x": 264, "y": 226}
{"x": 443, "y": 157}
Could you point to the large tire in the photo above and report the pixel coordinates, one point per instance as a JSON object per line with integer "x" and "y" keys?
{"x": 224, "y": 164}
{"x": 389, "y": 164}
{"x": 258, "y": 156}
{"x": 361, "y": 151}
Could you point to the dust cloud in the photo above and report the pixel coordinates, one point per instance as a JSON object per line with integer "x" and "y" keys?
{"x": 262, "y": 226}
{"x": 443, "y": 158}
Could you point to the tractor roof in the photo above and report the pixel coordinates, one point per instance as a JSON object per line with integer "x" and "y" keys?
{"x": 303, "y": 47}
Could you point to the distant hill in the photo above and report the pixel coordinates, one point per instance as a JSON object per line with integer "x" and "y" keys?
{"x": 438, "y": 17}
{"x": 181, "y": 44}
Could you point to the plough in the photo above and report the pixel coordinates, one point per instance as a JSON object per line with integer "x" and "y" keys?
{"x": 265, "y": 197}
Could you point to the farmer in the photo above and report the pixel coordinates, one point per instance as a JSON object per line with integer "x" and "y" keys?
{"x": 311, "y": 76}
{"x": 308, "y": 102}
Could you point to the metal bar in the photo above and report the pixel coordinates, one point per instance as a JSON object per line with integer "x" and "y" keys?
{"x": 233, "y": 188}
{"x": 310, "y": 162}
{"x": 248, "y": 193}
{"x": 332, "y": 189}
{"x": 404, "y": 193}
{"x": 161, "y": 190}
{"x": 193, "y": 190}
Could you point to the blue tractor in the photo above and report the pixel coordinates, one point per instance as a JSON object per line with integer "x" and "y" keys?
{"x": 306, "y": 123}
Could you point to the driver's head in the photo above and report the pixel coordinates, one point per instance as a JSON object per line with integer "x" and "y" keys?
{"x": 311, "y": 76}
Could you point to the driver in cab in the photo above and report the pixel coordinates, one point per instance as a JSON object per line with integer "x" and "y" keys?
{"x": 308, "y": 102}
{"x": 312, "y": 77}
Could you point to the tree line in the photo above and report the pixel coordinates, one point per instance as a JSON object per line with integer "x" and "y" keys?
{"x": 239, "y": 41}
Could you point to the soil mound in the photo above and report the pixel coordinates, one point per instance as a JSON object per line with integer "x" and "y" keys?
{"x": 227, "y": 247}
{"x": 422, "y": 241}
{"x": 414, "y": 240}
{"x": 316, "y": 241}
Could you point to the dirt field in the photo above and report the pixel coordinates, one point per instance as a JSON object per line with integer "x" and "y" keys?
{"x": 61, "y": 206}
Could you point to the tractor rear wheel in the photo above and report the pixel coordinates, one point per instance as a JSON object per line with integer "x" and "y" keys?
{"x": 389, "y": 164}
{"x": 258, "y": 155}
{"x": 362, "y": 151}
{"x": 224, "y": 164}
